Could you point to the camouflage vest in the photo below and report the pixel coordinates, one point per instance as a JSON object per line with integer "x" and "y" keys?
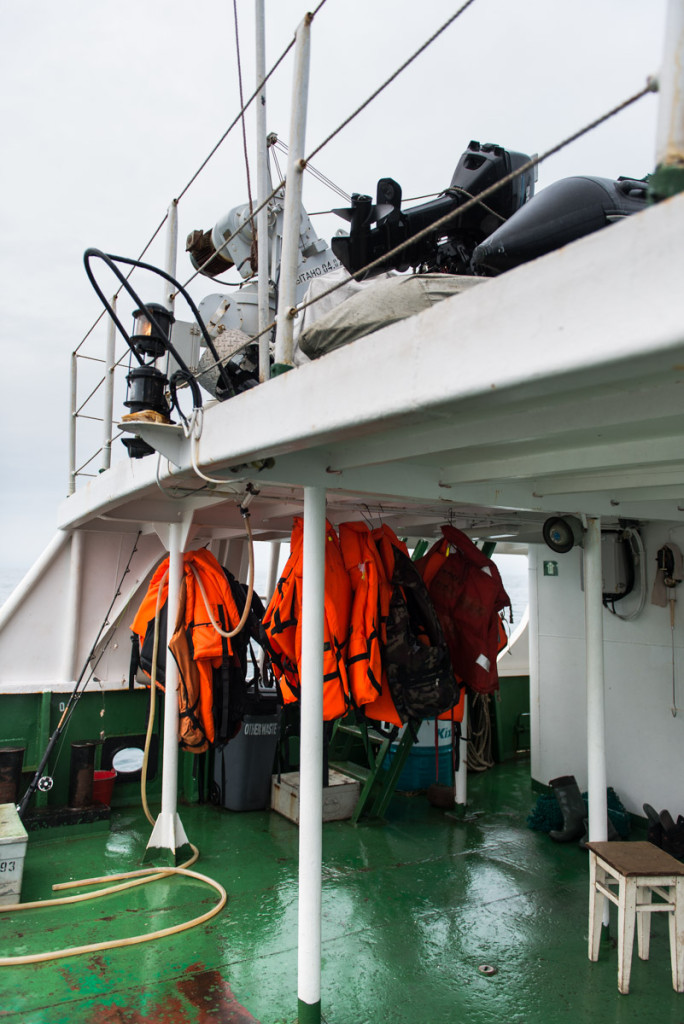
{"x": 417, "y": 661}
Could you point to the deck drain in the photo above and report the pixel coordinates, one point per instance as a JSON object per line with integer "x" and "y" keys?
{"x": 487, "y": 969}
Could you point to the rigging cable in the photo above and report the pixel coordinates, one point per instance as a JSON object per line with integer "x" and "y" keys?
{"x": 76, "y": 692}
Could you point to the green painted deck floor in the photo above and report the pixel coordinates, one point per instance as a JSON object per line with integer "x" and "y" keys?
{"x": 411, "y": 909}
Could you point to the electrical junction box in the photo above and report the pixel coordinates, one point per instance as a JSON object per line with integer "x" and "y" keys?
{"x": 616, "y": 565}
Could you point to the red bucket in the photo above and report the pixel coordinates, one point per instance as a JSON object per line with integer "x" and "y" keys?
{"x": 103, "y": 784}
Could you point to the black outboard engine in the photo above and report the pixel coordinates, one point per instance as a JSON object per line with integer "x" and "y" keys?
{"x": 559, "y": 214}
{"x": 450, "y": 247}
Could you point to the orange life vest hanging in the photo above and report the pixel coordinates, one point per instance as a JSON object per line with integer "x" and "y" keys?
{"x": 468, "y": 594}
{"x": 366, "y": 557}
{"x": 282, "y": 623}
{"x": 197, "y": 646}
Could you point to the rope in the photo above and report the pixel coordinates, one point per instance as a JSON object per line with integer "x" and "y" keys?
{"x": 479, "y": 734}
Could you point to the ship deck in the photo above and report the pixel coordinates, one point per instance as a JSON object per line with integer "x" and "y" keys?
{"x": 412, "y": 908}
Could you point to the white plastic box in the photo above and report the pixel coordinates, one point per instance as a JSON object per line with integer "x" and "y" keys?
{"x": 13, "y": 839}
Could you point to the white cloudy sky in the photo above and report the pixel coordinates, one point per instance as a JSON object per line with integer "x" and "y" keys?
{"x": 107, "y": 107}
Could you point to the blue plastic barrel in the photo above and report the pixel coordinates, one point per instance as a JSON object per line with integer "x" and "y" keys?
{"x": 420, "y": 770}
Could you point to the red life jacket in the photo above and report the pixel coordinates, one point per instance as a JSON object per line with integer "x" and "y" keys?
{"x": 468, "y": 594}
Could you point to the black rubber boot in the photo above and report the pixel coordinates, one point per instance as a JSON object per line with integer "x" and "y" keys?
{"x": 655, "y": 828}
{"x": 613, "y": 834}
{"x": 673, "y": 835}
{"x": 572, "y": 806}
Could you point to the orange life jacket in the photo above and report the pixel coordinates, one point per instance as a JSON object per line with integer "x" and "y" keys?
{"x": 196, "y": 645}
{"x": 366, "y": 557}
{"x": 282, "y": 623}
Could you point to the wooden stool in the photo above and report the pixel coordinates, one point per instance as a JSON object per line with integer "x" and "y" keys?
{"x": 638, "y": 870}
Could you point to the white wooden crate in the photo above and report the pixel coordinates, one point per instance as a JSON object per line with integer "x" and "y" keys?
{"x": 339, "y": 797}
{"x": 13, "y": 839}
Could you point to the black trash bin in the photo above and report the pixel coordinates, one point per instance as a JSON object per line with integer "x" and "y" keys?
{"x": 243, "y": 767}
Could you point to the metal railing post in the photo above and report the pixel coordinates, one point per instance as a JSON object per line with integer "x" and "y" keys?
{"x": 668, "y": 178}
{"x": 71, "y": 484}
{"x": 171, "y": 253}
{"x": 293, "y": 197}
{"x": 108, "y": 414}
{"x": 263, "y": 189}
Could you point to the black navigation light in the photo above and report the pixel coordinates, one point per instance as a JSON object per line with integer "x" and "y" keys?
{"x": 147, "y": 386}
{"x": 151, "y": 394}
{"x": 152, "y": 329}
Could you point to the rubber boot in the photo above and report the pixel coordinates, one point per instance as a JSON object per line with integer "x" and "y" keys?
{"x": 655, "y": 829}
{"x": 573, "y": 809}
{"x": 613, "y": 834}
{"x": 673, "y": 835}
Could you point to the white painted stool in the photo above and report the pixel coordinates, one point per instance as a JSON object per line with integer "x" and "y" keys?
{"x": 637, "y": 870}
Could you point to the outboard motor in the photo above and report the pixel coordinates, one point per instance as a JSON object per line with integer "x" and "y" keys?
{"x": 376, "y": 228}
{"x": 557, "y": 215}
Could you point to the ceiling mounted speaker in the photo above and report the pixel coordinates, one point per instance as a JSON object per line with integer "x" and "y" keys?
{"x": 561, "y": 533}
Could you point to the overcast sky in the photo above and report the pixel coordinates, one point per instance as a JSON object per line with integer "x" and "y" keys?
{"x": 108, "y": 107}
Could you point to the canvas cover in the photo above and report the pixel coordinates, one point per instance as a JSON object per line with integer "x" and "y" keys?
{"x": 379, "y": 303}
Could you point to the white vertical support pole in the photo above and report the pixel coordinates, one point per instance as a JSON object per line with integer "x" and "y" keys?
{"x": 596, "y": 733}
{"x": 73, "y": 608}
{"x": 236, "y": 556}
{"x": 263, "y": 189}
{"x": 171, "y": 252}
{"x": 311, "y": 759}
{"x": 168, "y": 841}
{"x": 271, "y": 580}
{"x": 272, "y": 577}
{"x": 108, "y": 414}
{"x": 73, "y": 398}
{"x": 461, "y": 786}
{"x": 534, "y": 558}
{"x": 293, "y": 197}
{"x": 670, "y": 129}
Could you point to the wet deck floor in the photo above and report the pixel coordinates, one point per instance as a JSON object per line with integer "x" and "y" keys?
{"x": 411, "y": 910}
